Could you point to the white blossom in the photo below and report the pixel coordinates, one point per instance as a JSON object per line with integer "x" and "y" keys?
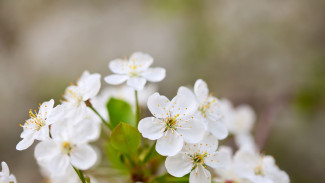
{"x": 209, "y": 110}
{"x": 173, "y": 122}
{"x": 228, "y": 174}
{"x": 5, "y": 176}
{"x": 69, "y": 145}
{"x": 136, "y": 71}
{"x": 195, "y": 158}
{"x": 258, "y": 168}
{"x": 239, "y": 121}
{"x": 37, "y": 127}
{"x": 86, "y": 88}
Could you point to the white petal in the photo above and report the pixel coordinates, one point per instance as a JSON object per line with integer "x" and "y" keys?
{"x": 42, "y": 134}
{"x": 58, "y": 165}
{"x": 84, "y": 131}
{"x": 218, "y": 159}
{"x": 83, "y": 157}
{"x": 115, "y": 79}
{"x": 46, "y": 108}
{"x": 154, "y": 74}
{"x": 158, "y": 105}
{"x": 136, "y": 83}
{"x": 90, "y": 86}
{"x": 119, "y": 66}
{"x": 178, "y": 165}
{"x": 218, "y": 129}
{"x": 192, "y": 131}
{"x": 201, "y": 90}
{"x": 169, "y": 144}
{"x": 25, "y": 142}
{"x": 151, "y": 128}
{"x": 200, "y": 175}
{"x": 141, "y": 61}
{"x": 209, "y": 144}
{"x": 184, "y": 103}
{"x": 5, "y": 169}
{"x": 46, "y": 150}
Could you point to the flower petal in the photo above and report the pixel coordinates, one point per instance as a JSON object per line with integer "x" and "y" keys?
{"x": 201, "y": 90}
{"x": 200, "y": 175}
{"x": 184, "y": 103}
{"x": 58, "y": 165}
{"x": 169, "y": 144}
{"x": 83, "y": 157}
{"x": 158, "y": 105}
{"x": 45, "y": 151}
{"x": 192, "y": 131}
{"x": 85, "y": 131}
{"x": 178, "y": 165}
{"x": 5, "y": 169}
{"x": 115, "y": 79}
{"x": 136, "y": 82}
{"x": 119, "y": 66}
{"x": 25, "y": 143}
{"x": 218, "y": 129}
{"x": 89, "y": 87}
{"x": 154, "y": 74}
{"x": 46, "y": 108}
{"x": 209, "y": 144}
{"x": 140, "y": 61}
{"x": 151, "y": 128}
{"x": 219, "y": 159}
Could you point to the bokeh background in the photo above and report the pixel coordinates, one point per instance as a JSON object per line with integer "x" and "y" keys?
{"x": 268, "y": 54}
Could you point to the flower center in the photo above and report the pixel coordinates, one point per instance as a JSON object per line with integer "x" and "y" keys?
{"x": 75, "y": 97}
{"x": 67, "y": 147}
{"x": 259, "y": 169}
{"x": 203, "y": 108}
{"x": 35, "y": 122}
{"x": 198, "y": 159}
{"x": 171, "y": 123}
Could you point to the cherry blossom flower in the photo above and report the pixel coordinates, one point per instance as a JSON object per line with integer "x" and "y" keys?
{"x": 136, "y": 71}
{"x": 258, "y": 168}
{"x": 68, "y": 146}
{"x": 5, "y": 176}
{"x": 239, "y": 121}
{"x": 195, "y": 158}
{"x": 37, "y": 127}
{"x": 228, "y": 174}
{"x": 173, "y": 122}
{"x": 209, "y": 110}
{"x": 86, "y": 88}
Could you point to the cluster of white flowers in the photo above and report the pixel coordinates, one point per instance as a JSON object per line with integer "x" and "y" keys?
{"x": 248, "y": 166}
{"x": 187, "y": 129}
{"x": 65, "y": 130}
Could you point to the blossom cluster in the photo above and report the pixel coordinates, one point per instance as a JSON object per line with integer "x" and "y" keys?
{"x": 186, "y": 129}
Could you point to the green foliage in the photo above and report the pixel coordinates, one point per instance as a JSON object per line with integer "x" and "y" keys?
{"x": 114, "y": 157}
{"x": 126, "y": 138}
{"x": 120, "y": 111}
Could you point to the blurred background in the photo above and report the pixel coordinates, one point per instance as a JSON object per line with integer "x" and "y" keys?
{"x": 268, "y": 54}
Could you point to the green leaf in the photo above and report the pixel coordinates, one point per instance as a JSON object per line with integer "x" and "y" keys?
{"x": 120, "y": 111}
{"x": 125, "y": 138}
{"x": 114, "y": 157}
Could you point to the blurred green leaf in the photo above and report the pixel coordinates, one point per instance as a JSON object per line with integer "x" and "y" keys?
{"x": 120, "y": 111}
{"x": 125, "y": 138}
{"x": 114, "y": 157}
